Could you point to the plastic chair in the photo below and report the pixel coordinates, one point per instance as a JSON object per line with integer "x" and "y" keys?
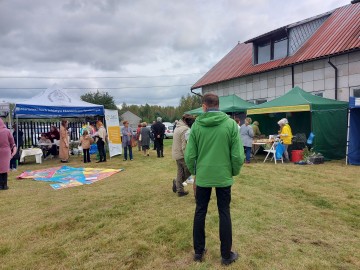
{"x": 272, "y": 151}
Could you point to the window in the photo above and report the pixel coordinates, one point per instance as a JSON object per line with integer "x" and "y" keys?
{"x": 319, "y": 94}
{"x": 260, "y": 101}
{"x": 280, "y": 48}
{"x": 272, "y": 49}
{"x": 264, "y": 53}
{"x": 356, "y": 92}
{"x": 257, "y": 101}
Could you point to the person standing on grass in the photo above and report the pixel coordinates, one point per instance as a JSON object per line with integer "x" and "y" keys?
{"x": 214, "y": 154}
{"x": 127, "y": 134}
{"x": 85, "y": 142}
{"x": 18, "y": 136}
{"x": 286, "y": 136}
{"x": 138, "y": 130}
{"x": 145, "y": 139}
{"x": 159, "y": 131}
{"x": 247, "y": 135}
{"x": 101, "y": 139}
{"x": 178, "y": 149}
{"x": 64, "y": 142}
{"x": 152, "y": 132}
{"x": 7, "y": 151}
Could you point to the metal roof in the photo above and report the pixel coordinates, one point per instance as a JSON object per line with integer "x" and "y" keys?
{"x": 340, "y": 33}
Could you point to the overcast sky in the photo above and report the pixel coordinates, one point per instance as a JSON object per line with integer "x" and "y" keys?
{"x": 162, "y": 47}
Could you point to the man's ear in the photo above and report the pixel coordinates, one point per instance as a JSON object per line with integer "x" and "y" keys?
{"x": 204, "y": 108}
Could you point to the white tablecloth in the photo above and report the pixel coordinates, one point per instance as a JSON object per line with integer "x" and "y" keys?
{"x": 37, "y": 152}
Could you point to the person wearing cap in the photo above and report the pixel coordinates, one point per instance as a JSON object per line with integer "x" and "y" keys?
{"x": 286, "y": 136}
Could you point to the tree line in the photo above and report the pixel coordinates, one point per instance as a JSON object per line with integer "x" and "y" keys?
{"x": 146, "y": 112}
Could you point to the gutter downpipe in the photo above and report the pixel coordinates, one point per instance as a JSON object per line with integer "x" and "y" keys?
{"x": 292, "y": 77}
{"x": 336, "y": 78}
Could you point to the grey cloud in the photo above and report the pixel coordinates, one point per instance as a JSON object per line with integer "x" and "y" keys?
{"x": 145, "y": 37}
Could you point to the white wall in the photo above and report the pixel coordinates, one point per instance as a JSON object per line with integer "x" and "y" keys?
{"x": 316, "y": 76}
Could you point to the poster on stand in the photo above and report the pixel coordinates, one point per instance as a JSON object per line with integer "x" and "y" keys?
{"x": 113, "y": 130}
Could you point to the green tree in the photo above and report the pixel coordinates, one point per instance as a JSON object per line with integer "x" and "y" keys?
{"x": 101, "y": 98}
{"x": 187, "y": 103}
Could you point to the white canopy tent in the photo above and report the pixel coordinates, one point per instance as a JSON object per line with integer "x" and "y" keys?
{"x": 56, "y": 102}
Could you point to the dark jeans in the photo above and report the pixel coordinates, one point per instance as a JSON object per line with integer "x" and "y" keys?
{"x": 86, "y": 153}
{"x": 247, "y": 153}
{"x": 159, "y": 145}
{"x": 13, "y": 163}
{"x": 223, "y": 196}
{"x": 15, "y": 160}
{"x": 130, "y": 152}
{"x": 3, "y": 180}
{"x": 52, "y": 151}
{"x": 101, "y": 148}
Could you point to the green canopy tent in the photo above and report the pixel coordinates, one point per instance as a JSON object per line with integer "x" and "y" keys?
{"x": 228, "y": 104}
{"x": 306, "y": 113}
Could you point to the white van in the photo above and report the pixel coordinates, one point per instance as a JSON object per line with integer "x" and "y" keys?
{"x": 169, "y": 130}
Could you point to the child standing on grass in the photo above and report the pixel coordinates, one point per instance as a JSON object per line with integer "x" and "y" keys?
{"x": 85, "y": 142}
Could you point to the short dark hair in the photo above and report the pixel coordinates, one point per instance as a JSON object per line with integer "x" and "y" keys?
{"x": 211, "y": 100}
{"x": 188, "y": 119}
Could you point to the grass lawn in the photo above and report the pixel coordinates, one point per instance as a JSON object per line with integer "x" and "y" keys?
{"x": 284, "y": 216}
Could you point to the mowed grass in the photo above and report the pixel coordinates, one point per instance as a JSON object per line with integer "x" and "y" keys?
{"x": 284, "y": 216}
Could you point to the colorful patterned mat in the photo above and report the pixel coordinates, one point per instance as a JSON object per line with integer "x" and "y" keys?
{"x": 65, "y": 176}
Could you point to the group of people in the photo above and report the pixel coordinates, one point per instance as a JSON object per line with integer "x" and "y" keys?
{"x": 211, "y": 147}
{"x": 213, "y": 152}
{"x": 248, "y": 132}
{"x": 144, "y": 136}
{"x": 100, "y": 137}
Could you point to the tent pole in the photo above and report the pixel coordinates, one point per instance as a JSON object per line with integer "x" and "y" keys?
{"x": 347, "y": 138}
{"x": 10, "y": 116}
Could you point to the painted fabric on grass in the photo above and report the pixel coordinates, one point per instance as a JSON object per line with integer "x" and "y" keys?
{"x": 65, "y": 176}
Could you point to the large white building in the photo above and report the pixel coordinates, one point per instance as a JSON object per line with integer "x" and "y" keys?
{"x": 320, "y": 55}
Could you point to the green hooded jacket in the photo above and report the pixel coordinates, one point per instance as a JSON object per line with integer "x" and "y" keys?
{"x": 214, "y": 152}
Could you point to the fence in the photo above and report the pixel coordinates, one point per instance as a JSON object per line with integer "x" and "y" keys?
{"x": 32, "y": 130}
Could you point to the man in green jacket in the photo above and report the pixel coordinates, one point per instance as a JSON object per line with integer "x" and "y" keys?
{"x": 214, "y": 154}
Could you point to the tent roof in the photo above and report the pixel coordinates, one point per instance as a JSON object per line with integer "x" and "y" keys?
{"x": 297, "y": 100}
{"x": 231, "y": 103}
{"x": 56, "y": 102}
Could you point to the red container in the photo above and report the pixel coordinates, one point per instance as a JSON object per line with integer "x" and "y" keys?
{"x": 296, "y": 155}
